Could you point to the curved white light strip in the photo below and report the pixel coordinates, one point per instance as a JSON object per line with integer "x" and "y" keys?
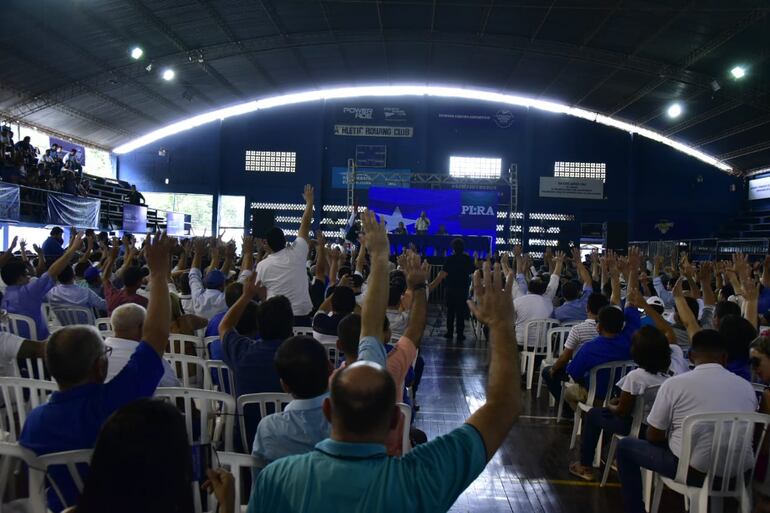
{"x": 412, "y": 90}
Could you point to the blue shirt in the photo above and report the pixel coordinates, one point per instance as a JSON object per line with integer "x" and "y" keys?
{"x": 251, "y": 363}
{"x": 740, "y": 367}
{"x": 360, "y": 477}
{"x": 604, "y": 350}
{"x": 72, "y": 419}
{"x": 212, "y": 330}
{"x": 574, "y": 310}
{"x": 295, "y": 430}
{"x": 52, "y": 249}
{"x": 28, "y": 300}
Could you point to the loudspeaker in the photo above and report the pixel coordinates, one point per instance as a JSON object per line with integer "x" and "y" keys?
{"x": 262, "y": 219}
{"x": 616, "y": 236}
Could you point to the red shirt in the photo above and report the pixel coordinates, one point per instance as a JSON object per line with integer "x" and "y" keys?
{"x": 116, "y": 297}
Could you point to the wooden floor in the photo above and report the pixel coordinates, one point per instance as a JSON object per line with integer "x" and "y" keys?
{"x": 529, "y": 472}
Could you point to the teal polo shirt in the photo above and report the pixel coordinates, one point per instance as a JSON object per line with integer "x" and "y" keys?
{"x": 361, "y": 478}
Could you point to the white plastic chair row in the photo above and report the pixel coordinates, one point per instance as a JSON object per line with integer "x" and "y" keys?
{"x": 72, "y": 315}
{"x": 20, "y": 325}
{"x": 277, "y": 401}
{"x": 535, "y": 345}
{"x": 213, "y": 411}
{"x": 16, "y": 407}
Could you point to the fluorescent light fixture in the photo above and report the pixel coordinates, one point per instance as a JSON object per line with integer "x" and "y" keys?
{"x": 738, "y": 72}
{"x": 168, "y": 74}
{"x": 409, "y": 90}
{"x": 674, "y": 110}
{"x": 137, "y": 53}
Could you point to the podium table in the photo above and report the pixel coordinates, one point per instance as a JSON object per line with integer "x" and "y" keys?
{"x": 440, "y": 245}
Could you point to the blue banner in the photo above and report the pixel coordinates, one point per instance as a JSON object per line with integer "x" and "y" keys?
{"x": 459, "y": 212}
{"x": 401, "y": 178}
{"x": 9, "y": 202}
{"x": 67, "y": 210}
{"x": 134, "y": 218}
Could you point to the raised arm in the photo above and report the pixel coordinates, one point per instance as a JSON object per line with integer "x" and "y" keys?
{"x": 89, "y": 249}
{"x": 247, "y": 253}
{"x": 636, "y": 300}
{"x": 307, "y": 216}
{"x": 765, "y": 280}
{"x": 614, "y": 273}
{"x": 416, "y": 276}
{"x": 63, "y": 261}
{"x": 158, "y": 321}
{"x": 229, "y": 259}
{"x": 234, "y": 314}
{"x": 683, "y": 310}
{"x": 8, "y": 254}
{"x": 376, "y": 300}
{"x": 320, "y": 257}
{"x": 503, "y": 403}
{"x": 585, "y": 278}
{"x": 704, "y": 275}
{"x": 216, "y": 254}
{"x": 113, "y": 255}
{"x": 751, "y": 303}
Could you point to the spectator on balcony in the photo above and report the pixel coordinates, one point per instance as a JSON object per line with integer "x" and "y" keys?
{"x": 135, "y": 197}
{"x": 69, "y": 182}
{"x": 52, "y": 247}
{"x": 48, "y": 158}
{"x": 68, "y": 294}
{"x": 71, "y": 161}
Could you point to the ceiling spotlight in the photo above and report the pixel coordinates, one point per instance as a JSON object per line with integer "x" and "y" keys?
{"x": 168, "y": 74}
{"x": 738, "y": 72}
{"x": 137, "y": 53}
{"x": 674, "y": 110}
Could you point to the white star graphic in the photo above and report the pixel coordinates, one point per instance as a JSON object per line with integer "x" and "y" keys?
{"x": 392, "y": 220}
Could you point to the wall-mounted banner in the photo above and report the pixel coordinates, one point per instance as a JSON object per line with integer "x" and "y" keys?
{"x": 578, "y": 188}
{"x": 759, "y": 188}
{"x": 384, "y": 177}
{"x": 371, "y": 155}
{"x": 371, "y": 114}
{"x": 502, "y": 118}
{"x": 373, "y": 131}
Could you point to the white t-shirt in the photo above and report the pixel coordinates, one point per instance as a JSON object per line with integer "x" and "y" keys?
{"x": 679, "y": 363}
{"x": 638, "y": 380}
{"x": 9, "y": 348}
{"x": 709, "y": 388}
{"x": 284, "y": 274}
{"x": 122, "y": 349}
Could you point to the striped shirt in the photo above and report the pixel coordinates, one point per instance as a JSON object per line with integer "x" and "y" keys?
{"x": 580, "y": 333}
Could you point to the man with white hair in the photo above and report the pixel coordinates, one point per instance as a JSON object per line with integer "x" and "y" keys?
{"x": 127, "y": 325}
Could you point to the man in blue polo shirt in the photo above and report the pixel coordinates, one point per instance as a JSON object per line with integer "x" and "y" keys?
{"x": 77, "y": 360}
{"x": 362, "y": 409}
{"x": 574, "y": 307}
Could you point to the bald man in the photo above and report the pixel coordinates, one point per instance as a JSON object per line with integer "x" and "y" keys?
{"x": 351, "y": 471}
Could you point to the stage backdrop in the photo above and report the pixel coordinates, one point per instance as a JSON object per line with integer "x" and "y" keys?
{"x": 461, "y": 212}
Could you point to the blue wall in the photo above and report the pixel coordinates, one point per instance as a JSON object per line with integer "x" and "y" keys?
{"x": 647, "y": 183}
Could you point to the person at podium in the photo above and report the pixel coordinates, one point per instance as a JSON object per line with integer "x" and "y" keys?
{"x": 422, "y": 224}
{"x": 400, "y": 229}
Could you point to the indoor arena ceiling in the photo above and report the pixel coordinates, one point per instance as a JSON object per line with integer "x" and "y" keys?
{"x": 67, "y": 65}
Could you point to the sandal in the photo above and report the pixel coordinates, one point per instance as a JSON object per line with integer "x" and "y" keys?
{"x": 576, "y": 469}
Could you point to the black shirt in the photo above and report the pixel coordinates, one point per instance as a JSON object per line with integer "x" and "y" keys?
{"x": 458, "y": 269}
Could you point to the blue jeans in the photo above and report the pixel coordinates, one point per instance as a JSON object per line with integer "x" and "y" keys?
{"x": 554, "y": 385}
{"x": 635, "y": 454}
{"x": 596, "y": 420}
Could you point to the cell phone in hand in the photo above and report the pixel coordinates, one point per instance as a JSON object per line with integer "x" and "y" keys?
{"x": 201, "y": 461}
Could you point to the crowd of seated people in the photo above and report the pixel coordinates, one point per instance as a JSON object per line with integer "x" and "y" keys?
{"x": 343, "y": 423}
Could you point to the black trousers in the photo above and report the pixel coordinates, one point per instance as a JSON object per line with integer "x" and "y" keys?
{"x": 456, "y": 310}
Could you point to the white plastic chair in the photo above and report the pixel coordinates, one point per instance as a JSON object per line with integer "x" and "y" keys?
{"x": 32, "y": 368}
{"x": 237, "y": 463}
{"x": 16, "y": 407}
{"x": 185, "y": 344}
{"x": 190, "y": 370}
{"x": 224, "y": 382}
{"x": 103, "y": 324}
{"x": 16, "y": 323}
{"x": 556, "y": 337}
{"x": 535, "y": 345}
{"x": 278, "y": 400}
{"x": 303, "y": 330}
{"x": 10, "y": 455}
{"x": 731, "y": 458}
{"x": 49, "y": 316}
{"x": 334, "y": 354}
{"x": 406, "y": 442}
{"x": 641, "y": 408}
{"x": 615, "y": 371}
{"x": 215, "y": 413}
{"x": 70, "y": 460}
{"x": 72, "y": 315}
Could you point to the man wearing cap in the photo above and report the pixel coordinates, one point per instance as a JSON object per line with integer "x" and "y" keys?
{"x": 208, "y": 296}
{"x": 52, "y": 247}
{"x": 657, "y": 304}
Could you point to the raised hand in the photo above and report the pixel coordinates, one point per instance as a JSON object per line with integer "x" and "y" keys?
{"x": 13, "y": 244}
{"x": 157, "y": 251}
{"x": 750, "y": 289}
{"x": 494, "y": 303}
{"x": 635, "y": 298}
{"x": 307, "y": 194}
{"x": 376, "y": 234}
{"x": 634, "y": 259}
{"x": 416, "y": 271}
{"x": 76, "y": 241}
{"x": 678, "y": 290}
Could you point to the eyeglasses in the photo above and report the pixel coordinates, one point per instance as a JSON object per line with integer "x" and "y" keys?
{"x": 754, "y": 362}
